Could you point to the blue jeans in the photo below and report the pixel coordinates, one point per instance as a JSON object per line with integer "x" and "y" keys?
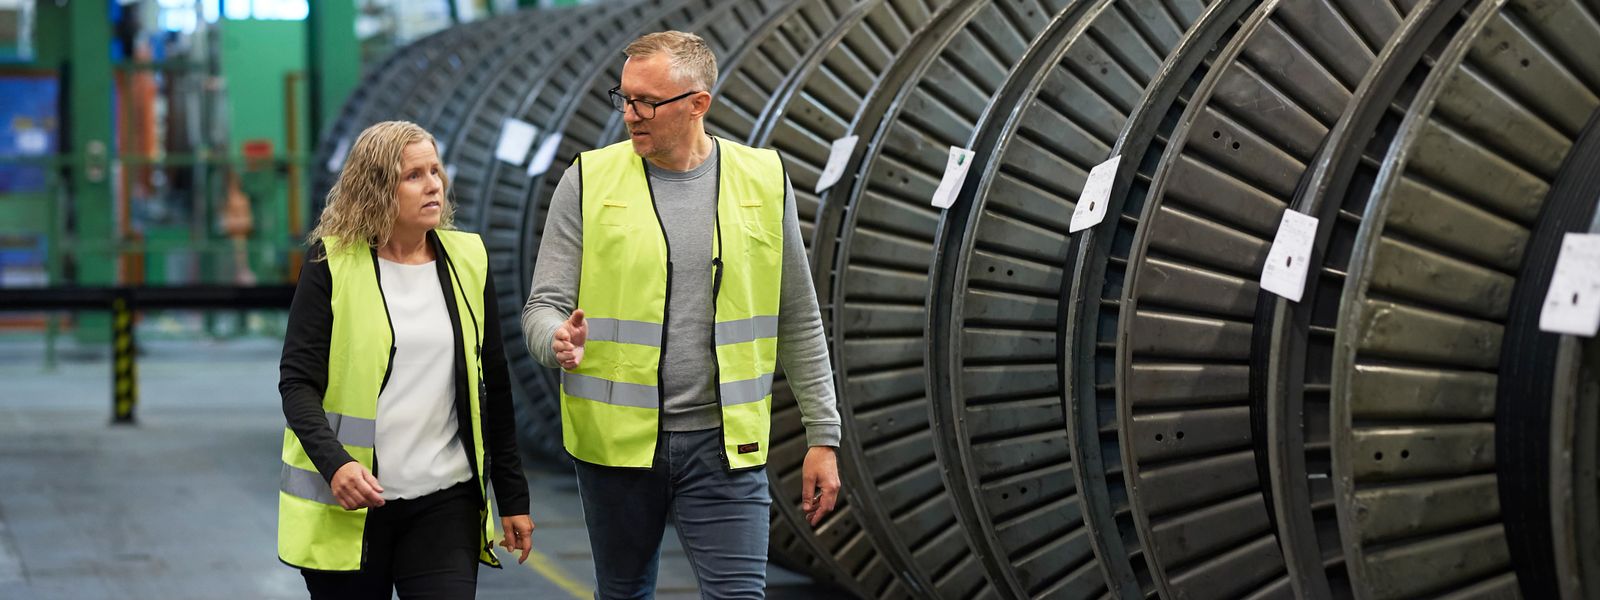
{"x": 721, "y": 517}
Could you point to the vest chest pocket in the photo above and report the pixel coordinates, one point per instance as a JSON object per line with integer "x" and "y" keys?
{"x": 764, "y": 244}
{"x": 613, "y": 215}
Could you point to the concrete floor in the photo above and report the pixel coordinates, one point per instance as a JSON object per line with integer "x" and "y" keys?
{"x": 183, "y": 504}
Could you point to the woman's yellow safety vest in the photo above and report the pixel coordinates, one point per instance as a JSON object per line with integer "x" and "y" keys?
{"x": 611, "y": 404}
{"x": 314, "y": 532}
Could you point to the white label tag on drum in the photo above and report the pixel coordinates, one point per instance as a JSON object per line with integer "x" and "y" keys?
{"x": 1091, "y": 208}
{"x": 955, "y": 173}
{"x": 1572, "y": 305}
{"x": 516, "y": 139}
{"x": 336, "y": 161}
{"x": 545, "y": 155}
{"x": 1290, "y": 256}
{"x": 838, "y": 159}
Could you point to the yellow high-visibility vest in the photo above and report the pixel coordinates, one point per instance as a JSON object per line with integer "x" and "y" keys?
{"x": 314, "y": 532}
{"x": 611, "y": 404}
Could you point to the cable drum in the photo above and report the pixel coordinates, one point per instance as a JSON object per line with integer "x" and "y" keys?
{"x": 1185, "y": 323}
{"x": 1572, "y": 376}
{"x": 1526, "y": 445}
{"x": 877, "y": 279}
{"x": 1422, "y": 320}
{"x": 1096, "y": 268}
{"x": 1001, "y": 252}
{"x": 1292, "y": 335}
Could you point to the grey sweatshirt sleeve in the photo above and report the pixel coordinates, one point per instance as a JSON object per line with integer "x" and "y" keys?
{"x": 554, "y": 293}
{"x": 802, "y": 347}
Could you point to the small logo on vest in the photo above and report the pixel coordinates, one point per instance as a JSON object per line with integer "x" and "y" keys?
{"x": 748, "y": 448}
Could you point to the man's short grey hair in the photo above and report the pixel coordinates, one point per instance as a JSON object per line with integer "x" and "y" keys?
{"x": 691, "y": 59}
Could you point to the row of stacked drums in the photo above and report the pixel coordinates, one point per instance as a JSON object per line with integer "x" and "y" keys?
{"x": 1120, "y": 412}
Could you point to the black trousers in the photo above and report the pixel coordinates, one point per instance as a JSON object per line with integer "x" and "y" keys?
{"x": 422, "y": 548}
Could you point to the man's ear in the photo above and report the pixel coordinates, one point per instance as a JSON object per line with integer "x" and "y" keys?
{"x": 702, "y": 103}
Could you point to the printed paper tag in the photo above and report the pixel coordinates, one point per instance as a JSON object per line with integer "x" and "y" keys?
{"x": 516, "y": 139}
{"x": 838, "y": 159}
{"x": 1290, "y": 256}
{"x": 1091, "y": 208}
{"x": 545, "y": 155}
{"x": 955, "y": 172}
{"x": 1572, "y": 305}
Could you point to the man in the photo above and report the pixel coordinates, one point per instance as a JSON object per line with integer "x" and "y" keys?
{"x": 671, "y": 278}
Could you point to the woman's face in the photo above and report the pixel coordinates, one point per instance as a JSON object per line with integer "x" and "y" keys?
{"x": 420, "y": 196}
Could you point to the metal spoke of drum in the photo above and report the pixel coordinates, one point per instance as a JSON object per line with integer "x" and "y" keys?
{"x": 1425, "y": 309}
{"x": 1199, "y": 493}
{"x": 997, "y": 275}
{"x": 1291, "y": 333}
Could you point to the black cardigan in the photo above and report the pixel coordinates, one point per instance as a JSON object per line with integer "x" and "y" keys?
{"x": 303, "y": 379}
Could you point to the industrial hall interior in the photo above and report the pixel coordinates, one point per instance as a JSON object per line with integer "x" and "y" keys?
{"x": 800, "y": 299}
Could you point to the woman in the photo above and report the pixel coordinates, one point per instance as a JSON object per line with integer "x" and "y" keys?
{"x": 395, "y": 389}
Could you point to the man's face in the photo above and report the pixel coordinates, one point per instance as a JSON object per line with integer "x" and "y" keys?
{"x": 650, "y": 78}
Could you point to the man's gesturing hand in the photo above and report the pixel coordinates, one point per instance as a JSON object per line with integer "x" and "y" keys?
{"x": 820, "y": 489}
{"x": 569, "y": 340}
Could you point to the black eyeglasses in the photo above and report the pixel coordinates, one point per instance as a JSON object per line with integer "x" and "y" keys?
{"x": 644, "y": 108}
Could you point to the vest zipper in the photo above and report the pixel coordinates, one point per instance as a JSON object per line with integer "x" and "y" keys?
{"x": 716, "y": 292}
{"x": 666, "y": 305}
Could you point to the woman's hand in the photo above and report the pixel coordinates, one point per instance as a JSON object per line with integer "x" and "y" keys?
{"x": 519, "y": 535}
{"x": 355, "y": 487}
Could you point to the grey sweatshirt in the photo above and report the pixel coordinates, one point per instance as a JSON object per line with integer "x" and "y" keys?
{"x": 687, "y": 204}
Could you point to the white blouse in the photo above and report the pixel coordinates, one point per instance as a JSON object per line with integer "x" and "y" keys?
{"x": 417, "y": 446}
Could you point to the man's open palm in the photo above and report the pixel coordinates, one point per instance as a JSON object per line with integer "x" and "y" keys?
{"x": 569, "y": 340}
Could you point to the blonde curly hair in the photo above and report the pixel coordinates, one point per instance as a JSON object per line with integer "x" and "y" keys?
{"x": 361, "y": 205}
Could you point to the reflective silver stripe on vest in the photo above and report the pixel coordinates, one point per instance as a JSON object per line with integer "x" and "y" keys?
{"x": 306, "y": 485}
{"x": 610, "y": 392}
{"x": 746, "y": 330}
{"x": 624, "y": 331}
{"x": 353, "y": 431}
{"x": 735, "y": 393}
